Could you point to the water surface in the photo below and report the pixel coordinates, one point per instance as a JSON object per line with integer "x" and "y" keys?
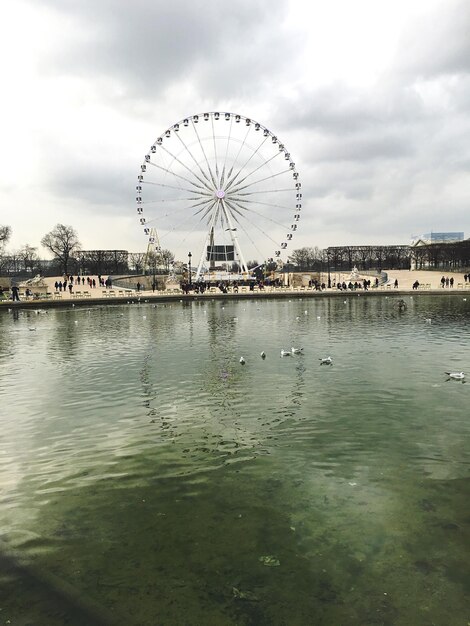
{"x": 146, "y": 474}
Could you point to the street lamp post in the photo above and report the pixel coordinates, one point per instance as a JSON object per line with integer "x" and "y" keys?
{"x": 328, "y": 261}
{"x": 189, "y": 268}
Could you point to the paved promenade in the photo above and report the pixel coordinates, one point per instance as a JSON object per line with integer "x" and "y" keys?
{"x": 84, "y": 294}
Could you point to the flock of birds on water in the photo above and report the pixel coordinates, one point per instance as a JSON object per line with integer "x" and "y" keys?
{"x": 323, "y": 361}
{"x": 285, "y": 353}
{"x": 329, "y": 361}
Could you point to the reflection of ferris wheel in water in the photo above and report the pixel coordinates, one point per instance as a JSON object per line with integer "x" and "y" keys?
{"x": 222, "y": 186}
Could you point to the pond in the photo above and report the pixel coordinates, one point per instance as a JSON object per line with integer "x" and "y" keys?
{"x": 149, "y": 477}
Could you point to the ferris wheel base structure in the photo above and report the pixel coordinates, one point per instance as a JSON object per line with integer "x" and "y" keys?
{"x": 222, "y": 276}
{"x": 222, "y": 188}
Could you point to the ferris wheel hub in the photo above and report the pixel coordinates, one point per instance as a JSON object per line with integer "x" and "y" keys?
{"x": 220, "y": 193}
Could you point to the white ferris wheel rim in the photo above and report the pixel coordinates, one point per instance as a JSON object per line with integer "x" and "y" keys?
{"x": 224, "y": 191}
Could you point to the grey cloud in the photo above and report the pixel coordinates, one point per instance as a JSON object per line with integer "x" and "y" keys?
{"x": 439, "y": 43}
{"x": 148, "y": 46}
{"x": 97, "y": 188}
{"x": 337, "y": 108}
{"x": 373, "y": 162}
{"x": 365, "y": 147}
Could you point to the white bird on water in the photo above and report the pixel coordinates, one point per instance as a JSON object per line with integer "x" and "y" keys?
{"x": 285, "y": 353}
{"x": 263, "y": 355}
{"x": 326, "y": 360}
{"x": 296, "y": 350}
{"x": 242, "y": 361}
{"x": 456, "y": 375}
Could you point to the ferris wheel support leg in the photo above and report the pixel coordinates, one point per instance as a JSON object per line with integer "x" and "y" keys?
{"x": 204, "y": 249}
{"x": 233, "y": 235}
{"x": 201, "y": 260}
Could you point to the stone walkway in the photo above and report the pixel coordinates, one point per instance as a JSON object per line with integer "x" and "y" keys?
{"x": 429, "y": 281}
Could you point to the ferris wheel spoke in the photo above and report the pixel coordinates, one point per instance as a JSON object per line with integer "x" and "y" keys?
{"x": 199, "y": 193}
{"x": 258, "y": 202}
{"x": 204, "y": 153}
{"x": 260, "y": 180}
{"x": 181, "y": 224}
{"x": 235, "y": 162}
{"x": 247, "y": 210}
{"x": 241, "y": 169}
{"x": 166, "y": 200}
{"x": 206, "y": 208}
{"x": 212, "y": 210}
{"x": 207, "y": 211}
{"x": 215, "y": 153}
{"x": 226, "y": 149}
{"x": 185, "y": 209}
{"x": 262, "y": 191}
{"x": 169, "y": 171}
{"x": 172, "y": 173}
{"x": 263, "y": 164}
{"x": 195, "y": 162}
{"x": 222, "y": 177}
{"x": 248, "y": 232}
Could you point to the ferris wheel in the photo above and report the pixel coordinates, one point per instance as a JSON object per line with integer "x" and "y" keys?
{"x": 221, "y": 188}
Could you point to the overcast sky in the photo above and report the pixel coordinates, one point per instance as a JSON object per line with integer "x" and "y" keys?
{"x": 371, "y": 98}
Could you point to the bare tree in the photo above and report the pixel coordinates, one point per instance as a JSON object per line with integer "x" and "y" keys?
{"x": 29, "y": 257}
{"x": 306, "y": 258}
{"x": 137, "y": 261}
{"x": 166, "y": 258}
{"x": 5, "y": 234}
{"x": 62, "y": 241}
{"x": 103, "y": 261}
{"x": 152, "y": 263}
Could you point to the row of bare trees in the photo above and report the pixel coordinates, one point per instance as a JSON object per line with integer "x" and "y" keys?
{"x": 62, "y": 242}
{"x": 68, "y": 257}
{"x": 344, "y": 258}
{"x": 368, "y": 257}
{"x": 446, "y": 256}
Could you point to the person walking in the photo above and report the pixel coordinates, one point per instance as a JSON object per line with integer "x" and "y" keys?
{"x": 396, "y": 283}
{"x": 14, "y": 293}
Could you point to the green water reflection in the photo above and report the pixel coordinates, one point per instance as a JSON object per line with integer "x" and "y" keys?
{"x": 148, "y": 471}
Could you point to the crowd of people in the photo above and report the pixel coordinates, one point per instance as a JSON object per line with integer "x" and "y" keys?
{"x": 69, "y": 282}
{"x": 447, "y": 282}
{"x": 352, "y": 286}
